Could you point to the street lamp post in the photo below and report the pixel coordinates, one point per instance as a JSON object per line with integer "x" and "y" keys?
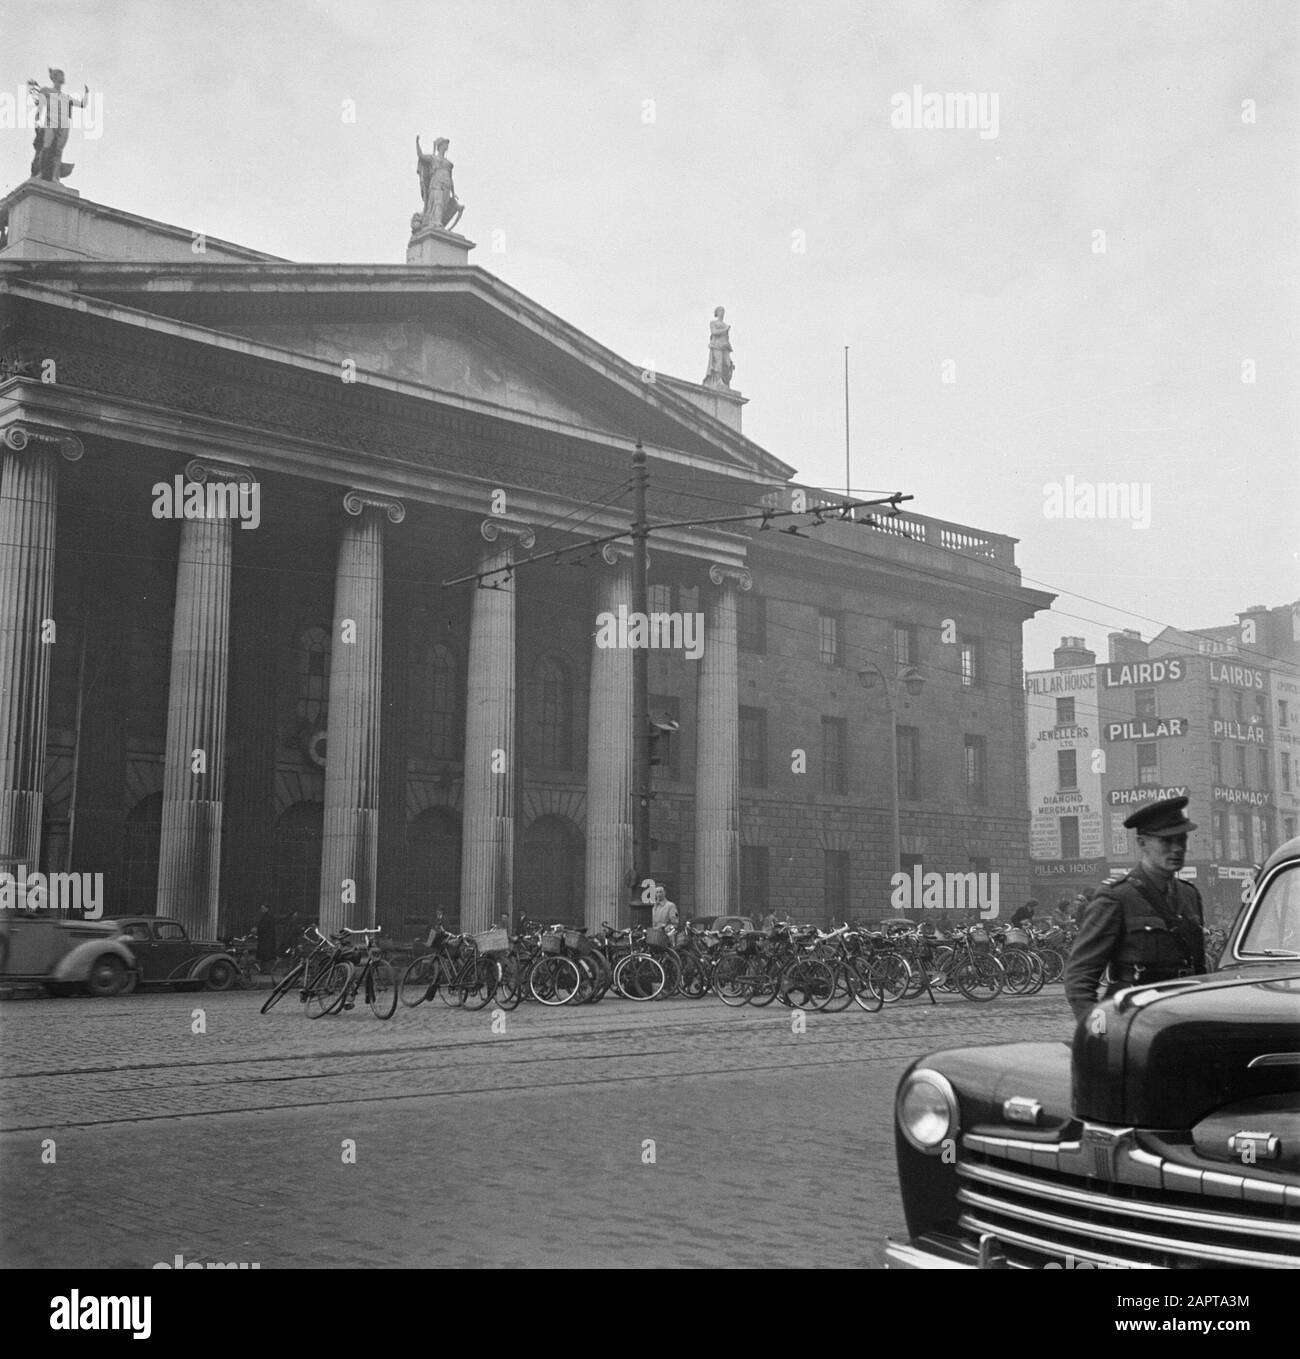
{"x": 914, "y": 682}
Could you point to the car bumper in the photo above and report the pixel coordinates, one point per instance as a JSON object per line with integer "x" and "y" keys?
{"x": 946, "y": 1253}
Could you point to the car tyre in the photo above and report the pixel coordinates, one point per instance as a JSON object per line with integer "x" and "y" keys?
{"x": 221, "y": 975}
{"x": 107, "y": 976}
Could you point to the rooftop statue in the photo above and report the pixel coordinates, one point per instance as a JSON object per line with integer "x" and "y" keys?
{"x": 54, "y": 118}
{"x": 720, "y": 364}
{"x": 442, "y": 209}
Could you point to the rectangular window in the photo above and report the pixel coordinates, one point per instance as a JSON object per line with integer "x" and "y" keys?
{"x": 1283, "y": 717}
{"x": 1148, "y": 763}
{"x": 1144, "y": 702}
{"x": 751, "y": 623}
{"x": 753, "y": 747}
{"x": 829, "y": 637}
{"x": 972, "y": 662}
{"x": 1220, "y": 834}
{"x": 1236, "y": 837}
{"x": 1289, "y": 826}
{"x": 1216, "y": 761}
{"x": 835, "y": 885}
{"x": 1264, "y": 771}
{"x": 834, "y": 754}
{"x": 976, "y": 769}
{"x": 667, "y": 745}
{"x": 1239, "y": 705}
{"x": 1285, "y": 766}
{"x": 1214, "y": 703}
{"x": 1065, "y": 712}
{"x": 909, "y": 763}
{"x": 1069, "y": 837}
{"x": 1261, "y": 709}
{"x": 753, "y": 881}
{"x": 1263, "y": 838}
{"x": 1239, "y": 765}
{"x": 905, "y": 651}
{"x": 1067, "y": 771}
{"x": 659, "y": 599}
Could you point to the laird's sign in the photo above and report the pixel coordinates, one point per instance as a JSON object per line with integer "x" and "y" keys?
{"x": 1146, "y": 729}
{"x": 1237, "y": 731}
{"x": 1141, "y": 672}
{"x": 1240, "y": 676}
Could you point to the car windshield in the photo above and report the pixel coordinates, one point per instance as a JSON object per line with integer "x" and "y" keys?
{"x": 1274, "y": 926}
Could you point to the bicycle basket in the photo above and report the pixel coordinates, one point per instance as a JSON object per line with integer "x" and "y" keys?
{"x": 655, "y": 937}
{"x": 552, "y": 943}
{"x": 979, "y": 941}
{"x": 493, "y": 941}
{"x": 574, "y": 939}
{"x": 1017, "y": 938}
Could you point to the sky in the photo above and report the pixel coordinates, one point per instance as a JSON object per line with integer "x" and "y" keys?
{"x": 1095, "y": 286}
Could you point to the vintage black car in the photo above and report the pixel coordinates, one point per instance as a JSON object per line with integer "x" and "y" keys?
{"x": 1167, "y": 1137}
{"x": 164, "y": 953}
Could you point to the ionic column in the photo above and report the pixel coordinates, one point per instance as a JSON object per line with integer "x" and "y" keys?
{"x": 28, "y": 492}
{"x": 609, "y": 753}
{"x": 487, "y": 853}
{"x": 717, "y": 752}
{"x": 349, "y": 855}
{"x": 194, "y": 771}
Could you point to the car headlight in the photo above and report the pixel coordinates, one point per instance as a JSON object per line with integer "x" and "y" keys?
{"x": 927, "y": 1110}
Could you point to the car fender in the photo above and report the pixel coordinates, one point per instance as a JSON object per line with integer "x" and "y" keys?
{"x": 202, "y": 966}
{"x": 76, "y": 963}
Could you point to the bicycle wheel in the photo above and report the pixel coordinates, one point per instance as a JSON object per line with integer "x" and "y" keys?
{"x": 694, "y": 983}
{"x": 841, "y": 996}
{"x": 329, "y": 989}
{"x": 1039, "y": 979}
{"x": 381, "y": 990}
{"x": 483, "y": 983}
{"x": 1053, "y": 965}
{"x": 1019, "y": 970}
{"x": 809, "y": 984}
{"x": 891, "y": 975}
{"x": 510, "y": 991}
{"x": 731, "y": 982}
{"x": 980, "y": 977}
{"x": 943, "y": 963}
{"x": 283, "y": 987}
{"x": 867, "y": 994}
{"x": 639, "y": 976}
{"x": 454, "y": 985}
{"x": 604, "y": 973}
{"x": 417, "y": 980}
{"x": 554, "y": 980}
{"x": 672, "y": 967}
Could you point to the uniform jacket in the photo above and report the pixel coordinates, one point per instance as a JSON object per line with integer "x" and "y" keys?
{"x": 1132, "y": 927}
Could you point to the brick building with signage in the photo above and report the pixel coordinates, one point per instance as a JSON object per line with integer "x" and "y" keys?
{"x": 303, "y": 714}
{"x": 1207, "y": 714}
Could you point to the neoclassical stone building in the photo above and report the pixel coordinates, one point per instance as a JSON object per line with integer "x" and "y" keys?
{"x": 280, "y": 701}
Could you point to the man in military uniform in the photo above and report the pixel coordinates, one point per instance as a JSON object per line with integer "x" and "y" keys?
{"x": 1147, "y": 924}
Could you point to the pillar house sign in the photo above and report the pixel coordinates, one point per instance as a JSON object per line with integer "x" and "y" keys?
{"x": 1141, "y": 672}
{"x": 1146, "y": 729}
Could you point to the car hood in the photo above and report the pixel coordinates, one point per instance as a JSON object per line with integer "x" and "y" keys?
{"x": 1165, "y": 1056}
{"x": 985, "y": 1078}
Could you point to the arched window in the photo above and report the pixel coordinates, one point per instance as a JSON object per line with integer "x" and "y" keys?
{"x": 435, "y": 703}
{"x": 553, "y": 713}
{"x": 313, "y": 676}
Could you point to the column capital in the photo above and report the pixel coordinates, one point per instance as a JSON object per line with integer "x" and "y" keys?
{"x": 613, "y": 554}
{"x": 736, "y": 575}
{"x": 355, "y": 502}
{"x": 18, "y": 437}
{"x": 201, "y": 469}
{"x": 492, "y": 529}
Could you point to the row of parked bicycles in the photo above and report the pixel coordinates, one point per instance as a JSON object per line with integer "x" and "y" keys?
{"x": 552, "y": 965}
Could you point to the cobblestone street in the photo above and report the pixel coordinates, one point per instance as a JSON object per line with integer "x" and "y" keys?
{"x": 473, "y": 1147}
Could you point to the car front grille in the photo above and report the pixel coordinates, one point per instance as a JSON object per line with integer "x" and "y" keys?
{"x": 1105, "y": 1201}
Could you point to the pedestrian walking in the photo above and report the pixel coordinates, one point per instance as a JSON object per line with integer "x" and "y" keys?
{"x": 665, "y": 912}
{"x": 1145, "y": 925}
